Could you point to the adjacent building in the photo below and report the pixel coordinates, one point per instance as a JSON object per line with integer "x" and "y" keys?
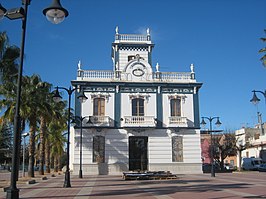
{"x": 251, "y": 143}
{"x": 136, "y": 117}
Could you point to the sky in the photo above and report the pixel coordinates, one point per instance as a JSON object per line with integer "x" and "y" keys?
{"x": 220, "y": 37}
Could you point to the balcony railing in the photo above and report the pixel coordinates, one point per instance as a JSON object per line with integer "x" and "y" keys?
{"x": 138, "y": 121}
{"x": 176, "y": 121}
{"x": 132, "y": 37}
{"x": 100, "y": 121}
{"x": 108, "y": 75}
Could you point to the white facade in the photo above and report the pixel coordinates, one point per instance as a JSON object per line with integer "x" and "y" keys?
{"x": 253, "y": 142}
{"x": 136, "y": 117}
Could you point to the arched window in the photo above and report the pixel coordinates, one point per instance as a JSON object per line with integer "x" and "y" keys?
{"x": 175, "y": 107}
{"x": 99, "y": 107}
{"x": 137, "y": 107}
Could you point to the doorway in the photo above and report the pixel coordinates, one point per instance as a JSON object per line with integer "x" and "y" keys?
{"x": 138, "y": 153}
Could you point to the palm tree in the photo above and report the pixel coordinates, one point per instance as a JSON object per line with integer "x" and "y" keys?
{"x": 31, "y": 103}
{"x": 45, "y": 112}
{"x": 263, "y": 50}
{"x": 8, "y": 59}
{"x": 57, "y": 141}
{"x": 57, "y": 125}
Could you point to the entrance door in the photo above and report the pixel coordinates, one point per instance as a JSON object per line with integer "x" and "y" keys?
{"x": 138, "y": 153}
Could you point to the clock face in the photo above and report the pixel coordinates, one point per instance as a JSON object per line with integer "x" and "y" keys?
{"x": 138, "y": 70}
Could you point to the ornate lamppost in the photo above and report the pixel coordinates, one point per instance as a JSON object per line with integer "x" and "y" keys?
{"x": 217, "y": 123}
{"x": 57, "y": 97}
{"x": 56, "y": 14}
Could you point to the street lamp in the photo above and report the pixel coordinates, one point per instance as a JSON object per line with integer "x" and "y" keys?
{"x": 57, "y": 97}
{"x": 80, "y": 120}
{"x": 255, "y": 100}
{"x": 217, "y": 123}
{"x": 23, "y": 154}
{"x": 21, "y": 13}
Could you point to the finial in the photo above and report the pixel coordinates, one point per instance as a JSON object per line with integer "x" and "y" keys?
{"x": 79, "y": 65}
{"x": 192, "y": 68}
{"x": 116, "y": 30}
{"x": 157, "y": 67}
{"x": 148, "y": 31}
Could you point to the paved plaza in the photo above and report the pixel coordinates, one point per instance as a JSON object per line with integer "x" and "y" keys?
{"x": 223, "y": 186}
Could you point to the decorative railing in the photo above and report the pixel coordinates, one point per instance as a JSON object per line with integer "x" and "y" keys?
{"x": 97, "y": 74}
{"x": 132, "y": 37}
{"x": 108, "y": 75}
{"x": 177, "y": 121}
{"x": 174, "y": 76}
{"x": 139, "y": 121}
{"x": 100, "y": 121}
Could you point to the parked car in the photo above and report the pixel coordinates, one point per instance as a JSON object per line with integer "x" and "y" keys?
{"x": 251, "y": 163}
{"x": 262, "y": 167}
{"x": 229, "y": 167}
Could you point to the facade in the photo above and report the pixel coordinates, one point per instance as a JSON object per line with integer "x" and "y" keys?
{"x": 137, "y": 118}
{"x": 252, "y": 142}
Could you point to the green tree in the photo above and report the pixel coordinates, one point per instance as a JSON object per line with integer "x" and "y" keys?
{"x": 5, "y": 142}
{"x": 263, "y": 50}
{"x": 224, "y": 146}
{"x": 9, "y": 55}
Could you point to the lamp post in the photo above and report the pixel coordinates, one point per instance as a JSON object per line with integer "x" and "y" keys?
{"x": 255, "y": 100}
{"x": 80, "y": 119}
{"x": 24, "y": 146}
{"x": 217, "y": 123}
{"x": 57, "y": 97}
{"x": 54, "y": 12}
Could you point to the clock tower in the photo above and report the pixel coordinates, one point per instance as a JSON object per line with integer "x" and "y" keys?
{"x": 131, "y": 55}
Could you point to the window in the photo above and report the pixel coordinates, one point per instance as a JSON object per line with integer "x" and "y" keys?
{"x": 99, "y": 107}
{"x": 175, "y": 107}
{"x": 131, "y": 57}
{"x": 177, "y": 149}
{"x": 138, "y": 107}
{"x": 98, "y": 149}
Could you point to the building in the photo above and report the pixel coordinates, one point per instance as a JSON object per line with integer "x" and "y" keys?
{"x": 251, "y": 143}
{"x": 137, "y": 118}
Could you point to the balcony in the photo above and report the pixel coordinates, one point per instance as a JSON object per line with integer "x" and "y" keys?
{"x": 177, "y": 121}
{"x": 100, "y": 121}
{"x": 138, "y": 121}
{"x": 116, "y": 76}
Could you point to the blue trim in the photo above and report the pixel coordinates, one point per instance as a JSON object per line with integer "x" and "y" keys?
{"x": 196, "y": 110}
{"x": 159, "y": 104}
{"x": 117, "y": 109}
{"x": 77, "y": 104}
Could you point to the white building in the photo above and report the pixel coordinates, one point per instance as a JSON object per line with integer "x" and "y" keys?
{"x": 137, "y": 117}
{"x": 253, "y": 141}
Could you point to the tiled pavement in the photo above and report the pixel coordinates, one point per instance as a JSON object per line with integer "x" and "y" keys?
{"x": 223, "y": 186}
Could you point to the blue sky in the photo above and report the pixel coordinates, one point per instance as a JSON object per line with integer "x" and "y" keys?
{"x": 220, "y": 37}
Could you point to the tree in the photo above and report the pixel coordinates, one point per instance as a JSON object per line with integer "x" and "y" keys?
{"x": 5, "y": 142}
{"x": 55, "y": 140}
{"x": 263, "y": 50}
{"x": 224, "y": 146}
{"x": 9, "y": 55}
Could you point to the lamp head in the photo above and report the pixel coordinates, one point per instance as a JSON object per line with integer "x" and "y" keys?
{"x": 82, "y": 97}
{"x": 255, "y": 100}
{"x": 218, "y": 123}
{"x": 55, "y": 13}
{"x": 57, "y": 97}
{"x": 203, "y": 123}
